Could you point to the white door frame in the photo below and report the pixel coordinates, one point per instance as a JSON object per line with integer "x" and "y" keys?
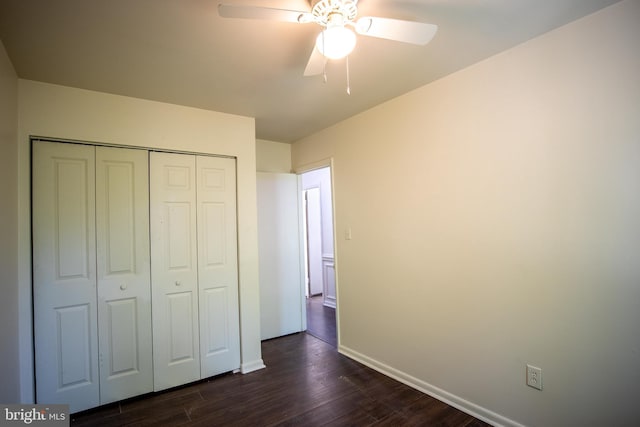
{"x": 320, "y": 164}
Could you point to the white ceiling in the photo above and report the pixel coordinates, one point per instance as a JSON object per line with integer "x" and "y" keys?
{"x": 182, "y": 52}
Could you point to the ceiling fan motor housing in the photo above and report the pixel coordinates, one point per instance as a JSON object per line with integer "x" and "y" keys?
{"x": 324, "y": 11}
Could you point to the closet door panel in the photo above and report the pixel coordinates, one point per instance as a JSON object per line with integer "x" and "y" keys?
{"x": 64, "y": 275}
{"x": 216, "y": 309}
{"x": 176, "y": 346}
{"x": 177, "y": 229}
{"x": 124, "y": 281}
{"x": 181, "y": 335}
{"x": 218, "y": 265}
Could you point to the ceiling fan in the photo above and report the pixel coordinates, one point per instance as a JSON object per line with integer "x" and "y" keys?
{"x": 336, "y": 40}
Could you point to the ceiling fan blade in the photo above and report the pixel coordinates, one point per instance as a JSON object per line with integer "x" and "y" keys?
{"x": 395, "y": 29}
{"x": 316, "y": 63}
{"x": 264, "y": 13}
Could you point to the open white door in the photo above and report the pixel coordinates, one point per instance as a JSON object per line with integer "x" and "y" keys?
{"x": 281, "y": 288}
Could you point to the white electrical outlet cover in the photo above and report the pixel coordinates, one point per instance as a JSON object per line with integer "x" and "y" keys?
{"x": 534, "y": 377}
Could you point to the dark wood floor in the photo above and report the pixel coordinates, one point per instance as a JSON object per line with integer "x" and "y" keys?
{"x": 321, "y": 320}
{"x": 306, "y": 383}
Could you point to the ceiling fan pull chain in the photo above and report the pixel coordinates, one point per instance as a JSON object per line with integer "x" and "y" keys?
{"x": 324, "y": 71}
{"x": 324, "y": 64}
{"x": 348, "y": 79}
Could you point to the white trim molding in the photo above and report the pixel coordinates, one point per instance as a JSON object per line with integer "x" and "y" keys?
{"x": 458, "y": 402}
{"x": 329, "y": 280}
{"x": 254, "y": 365}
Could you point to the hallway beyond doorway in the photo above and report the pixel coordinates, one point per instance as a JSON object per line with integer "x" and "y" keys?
{"x": 321, "y": 320}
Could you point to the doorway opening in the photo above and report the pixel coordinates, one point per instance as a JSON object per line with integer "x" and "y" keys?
{"x": 319, "y": 257}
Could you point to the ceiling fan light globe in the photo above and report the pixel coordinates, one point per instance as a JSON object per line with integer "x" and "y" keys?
{"x": 336, "y": 42}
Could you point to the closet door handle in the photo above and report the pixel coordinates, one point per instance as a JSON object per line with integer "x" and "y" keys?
{"x": 123, "y": 286}
{"x": 178, "y": 283}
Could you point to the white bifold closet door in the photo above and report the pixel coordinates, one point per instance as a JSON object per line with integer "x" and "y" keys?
{"x": 64, "y": 275}
{"x": 90, "y": 274}
{"x": 124, "y": 275}
{"x": 218, "y": 265}
{"x": 194, "y": 267}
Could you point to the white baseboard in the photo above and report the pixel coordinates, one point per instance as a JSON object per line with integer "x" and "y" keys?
{"x": 254, "y": 365}
{"x": 329, "y": 302}
{"x": 470, "y": 408}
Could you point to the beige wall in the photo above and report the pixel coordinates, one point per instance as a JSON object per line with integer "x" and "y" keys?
{"x": 62, "y": 112}
{"x": 9, "y": 362}
{"x": 273, "y": 156}
{"x": 495, "y": 217}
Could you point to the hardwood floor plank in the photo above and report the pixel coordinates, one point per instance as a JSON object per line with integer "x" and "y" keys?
{"x": 306, "y": 383}
{"x": 321, "y": 321}
{"x": 327, "y": 412}
{"x": 355, "y": 418}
